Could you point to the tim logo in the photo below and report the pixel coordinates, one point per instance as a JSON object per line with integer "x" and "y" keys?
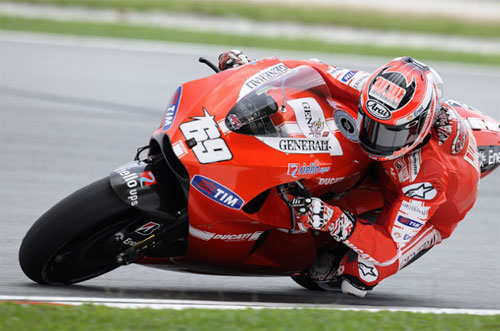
{"x": 172, "y": 109}
{"x": 147, "y": 179}
{"x": 217, "y": 192}
{"x": 347, "y": 77}
{"x": 409, "y": 222}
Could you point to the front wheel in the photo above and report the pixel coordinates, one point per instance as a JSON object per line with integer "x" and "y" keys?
{"x": 70, "y": 243}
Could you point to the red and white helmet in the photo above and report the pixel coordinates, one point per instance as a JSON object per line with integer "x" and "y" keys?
{"x": 397, "y": 108}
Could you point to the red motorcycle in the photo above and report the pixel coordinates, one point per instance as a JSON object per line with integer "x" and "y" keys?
{"x": 213, "y": 193}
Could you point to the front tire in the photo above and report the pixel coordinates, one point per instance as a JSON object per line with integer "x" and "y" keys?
{"x": 70, "y": 242}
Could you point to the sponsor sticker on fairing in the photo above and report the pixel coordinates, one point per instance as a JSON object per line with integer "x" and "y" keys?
{"x": 147, "y": 179}
{"x": 310, "y": 117}
{"x": 179, "y": 148}
{"x": 222, "y": 125}
{"x": 304, "y": 146}
{"x": 148, "y": 228}
{"x": 330, "y": 181}
{"x": 205, "y": 235}
{"x": 217, "y": 192}
{"x": 131, "y": 180}
{"x": 171, "y": 110}
{"x": 262, "y": 77}
{"x": 297, "y": 169}
{"x": 347, "y": 125}
{"x": 489, "y": 157}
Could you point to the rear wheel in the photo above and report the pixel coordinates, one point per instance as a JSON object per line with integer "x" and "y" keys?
{"x": 328, "y": 260}
{"x": 305, "y": 281}
{"x": 73, "y": 241}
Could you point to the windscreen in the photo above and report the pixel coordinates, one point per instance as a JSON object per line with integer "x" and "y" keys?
{"x": 265, "y": 110}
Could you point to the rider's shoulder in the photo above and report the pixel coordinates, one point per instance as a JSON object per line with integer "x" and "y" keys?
{"x": 349, "y": 78}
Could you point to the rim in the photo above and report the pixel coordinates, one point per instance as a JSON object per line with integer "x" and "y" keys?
{"x": 89, "y": 255}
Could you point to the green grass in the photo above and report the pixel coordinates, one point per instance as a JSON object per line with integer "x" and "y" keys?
{"x": 89, "y": 317}
{"x": 162, "y": 34}
{"x": 305, "y": 14}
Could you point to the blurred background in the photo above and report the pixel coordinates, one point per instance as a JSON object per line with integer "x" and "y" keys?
{"x": 450, "y": 30}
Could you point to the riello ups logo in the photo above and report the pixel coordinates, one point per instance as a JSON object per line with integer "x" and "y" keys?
{"x": 134, "y": 181}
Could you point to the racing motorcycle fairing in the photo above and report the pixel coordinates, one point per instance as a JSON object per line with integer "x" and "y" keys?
{"x": 486, "y": 130}
{"x": 213, "y": 195}
{"x": 290, "y": 153}
{"x": 236, "y": 139}
{"x": 238, "y": 146}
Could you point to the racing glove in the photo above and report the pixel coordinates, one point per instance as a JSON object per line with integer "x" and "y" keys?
{"x": 323, "y": 217}
{"x": 232, "y": 59}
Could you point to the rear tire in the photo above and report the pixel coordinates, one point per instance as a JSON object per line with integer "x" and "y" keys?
{"x": 334, "y": 256}
{"x": 70, "y": 242}
{"x": 305, "y": 281}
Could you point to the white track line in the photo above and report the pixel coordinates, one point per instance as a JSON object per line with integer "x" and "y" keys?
{"x": 200, "y": 304}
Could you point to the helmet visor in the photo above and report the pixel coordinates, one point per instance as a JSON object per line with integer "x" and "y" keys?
{"x": 382, "y": 140}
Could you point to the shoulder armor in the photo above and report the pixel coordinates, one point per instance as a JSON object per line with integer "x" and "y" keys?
{"x": 350, "y": 78}
{"x": 450, "y": 129}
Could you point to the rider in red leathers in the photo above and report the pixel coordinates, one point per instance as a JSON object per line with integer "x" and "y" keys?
{"x": 427, "y": 167}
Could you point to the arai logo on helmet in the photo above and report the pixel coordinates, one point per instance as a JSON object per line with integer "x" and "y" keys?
{"x": 378, "y": 110}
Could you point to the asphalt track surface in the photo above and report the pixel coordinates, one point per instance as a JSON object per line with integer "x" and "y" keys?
{"x": 72, "y": 110}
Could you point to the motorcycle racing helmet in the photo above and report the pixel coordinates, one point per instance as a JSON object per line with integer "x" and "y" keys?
{"x": 397, "y": 108}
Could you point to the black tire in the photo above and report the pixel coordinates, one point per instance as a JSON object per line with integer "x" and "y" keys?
{"x": 67, "y": 244}
{"x": 306, "y": 282}
{"x": 304, "y": 279}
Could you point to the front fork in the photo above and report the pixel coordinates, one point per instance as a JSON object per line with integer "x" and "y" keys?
{"x": 147, "y": 185}
{"x": 157, "y": 235}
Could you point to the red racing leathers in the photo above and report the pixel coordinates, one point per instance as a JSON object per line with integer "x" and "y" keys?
{"x": 426, "y": 193}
